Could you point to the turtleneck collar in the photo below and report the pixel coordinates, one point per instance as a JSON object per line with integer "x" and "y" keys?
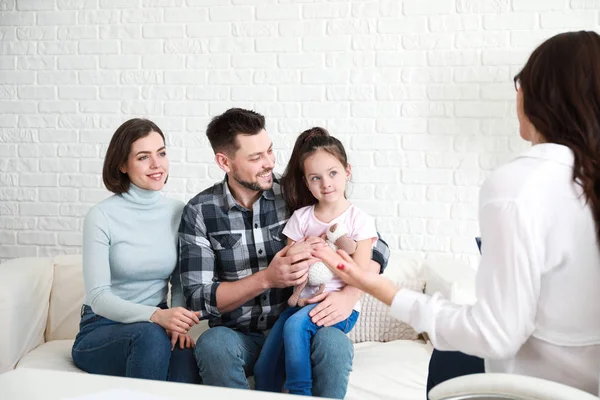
{"x": 141, "y": 196}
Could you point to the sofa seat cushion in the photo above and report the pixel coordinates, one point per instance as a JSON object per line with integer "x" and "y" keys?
{"x": 55, "y": 354}
{"x": 391, "y": 370}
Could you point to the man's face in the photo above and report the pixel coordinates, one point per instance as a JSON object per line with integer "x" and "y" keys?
{"x": 253, "y": 162}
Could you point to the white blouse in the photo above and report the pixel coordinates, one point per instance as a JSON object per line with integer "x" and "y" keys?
{"x": 538, "y": 284}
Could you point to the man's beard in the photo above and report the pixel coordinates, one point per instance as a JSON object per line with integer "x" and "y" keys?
{"x": 252, "y": 185}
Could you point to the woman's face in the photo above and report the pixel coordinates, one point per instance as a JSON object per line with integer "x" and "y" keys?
{"x": 147, "y": 164}
{"x": 526, "y": 128}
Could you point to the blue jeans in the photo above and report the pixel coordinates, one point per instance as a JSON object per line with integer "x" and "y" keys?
{"x": 226, "y": 357}
{"x": 287, "y": 351}
{"x": 136, "y": 350}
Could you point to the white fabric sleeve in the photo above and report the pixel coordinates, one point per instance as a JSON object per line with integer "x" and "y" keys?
{"x": 507, "y": 289}
{"x": 97, "y": 275}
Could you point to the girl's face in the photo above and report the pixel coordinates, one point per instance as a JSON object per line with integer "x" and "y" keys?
{"x": 326, "y": 177}
{"x": 147, "y": 164}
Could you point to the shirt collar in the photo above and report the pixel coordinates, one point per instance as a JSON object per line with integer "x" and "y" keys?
{"x": 230, "y": 201}
{"x": 552, "y": 152}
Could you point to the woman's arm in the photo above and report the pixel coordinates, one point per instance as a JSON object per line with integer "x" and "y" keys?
{"x": 97, "y": 275}
{"x": 507, "y": 286}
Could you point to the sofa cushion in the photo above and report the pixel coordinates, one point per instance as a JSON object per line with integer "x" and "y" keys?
{"x": 393, "y": 370}
{"x": 66, "y": 298}
{"x": 51, "y": 355}
{"x": 376, "y": 324}
{"x": 26, "y": 285}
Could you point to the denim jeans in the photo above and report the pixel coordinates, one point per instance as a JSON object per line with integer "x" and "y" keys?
{"x": 226, "y": 357}
{"x": 136, "y": 350}
{"x": 445, "y": 365}
{"x": 287, "y": 351}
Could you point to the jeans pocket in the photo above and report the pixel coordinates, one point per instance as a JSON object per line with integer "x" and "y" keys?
{"x": 88, "y": 317}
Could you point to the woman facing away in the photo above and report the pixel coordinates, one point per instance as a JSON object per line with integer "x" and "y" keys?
{"x": 314, "y": 186}
{"x": 129, "y": 256}
{"x": 538, "y": 305}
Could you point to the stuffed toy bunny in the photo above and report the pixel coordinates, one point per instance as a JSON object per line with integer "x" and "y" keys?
{"x": 318, "y": 273}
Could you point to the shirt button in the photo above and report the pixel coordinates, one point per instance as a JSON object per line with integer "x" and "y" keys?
{"x": 260, "y": 251}
{"x": 255, "y": 226}
{"x": 262, "y": 318}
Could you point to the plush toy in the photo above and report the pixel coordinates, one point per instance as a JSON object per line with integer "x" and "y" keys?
{"x": 318, "y": 273}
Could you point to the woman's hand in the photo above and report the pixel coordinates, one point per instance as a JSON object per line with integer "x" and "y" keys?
{"x": 176, "y": 319}
{"x": 185, "y": 341}
{"x": 341, "y": 264}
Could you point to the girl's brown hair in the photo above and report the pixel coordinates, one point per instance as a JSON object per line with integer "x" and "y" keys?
{"x": 295, "y": 191}
{"x": 560, "y": 84}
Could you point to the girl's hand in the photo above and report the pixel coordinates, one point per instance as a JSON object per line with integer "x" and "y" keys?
{"x": 176, "y": 319}
{"x": 185, "y": 341}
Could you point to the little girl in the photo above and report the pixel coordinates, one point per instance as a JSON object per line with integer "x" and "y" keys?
{"x": 314, "y": 185}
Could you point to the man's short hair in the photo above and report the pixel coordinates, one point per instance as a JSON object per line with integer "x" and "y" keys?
{"x": 222, "y": 131}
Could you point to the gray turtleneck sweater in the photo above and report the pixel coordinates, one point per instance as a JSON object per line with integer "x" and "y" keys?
{"x": 129, "y": 254}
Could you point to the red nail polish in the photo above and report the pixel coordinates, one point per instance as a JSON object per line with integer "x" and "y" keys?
{"x": 341, "y": 266}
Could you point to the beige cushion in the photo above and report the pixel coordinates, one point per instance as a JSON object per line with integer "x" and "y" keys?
{"x": 66, "y": 298}
{"x": 375, "y": 324}
{"x": 52, "y": 355}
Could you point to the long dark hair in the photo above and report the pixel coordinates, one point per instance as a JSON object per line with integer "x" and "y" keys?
{"x": 561, "y": 97}
{"x": 295, "y": 191}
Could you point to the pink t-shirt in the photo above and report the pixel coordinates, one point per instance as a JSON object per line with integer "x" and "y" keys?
{"x": 303, "y": 223}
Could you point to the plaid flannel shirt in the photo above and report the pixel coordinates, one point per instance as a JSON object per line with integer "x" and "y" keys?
{"x": 221, "y": 241}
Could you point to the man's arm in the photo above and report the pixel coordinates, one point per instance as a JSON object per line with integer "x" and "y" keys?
{"x": 381, "y": 254}
{"x": 283, "y": 271}
{"x": 205, "y": 293}
{"x": 197, "y": 264}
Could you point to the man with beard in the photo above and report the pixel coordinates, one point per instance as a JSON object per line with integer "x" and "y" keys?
{"x": 237, "y": 271}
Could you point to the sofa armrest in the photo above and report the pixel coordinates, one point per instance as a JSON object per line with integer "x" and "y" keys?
{"x": 505, "y": 386}
{"x": 452, "y": 278}
{"x": 25, "y": 285}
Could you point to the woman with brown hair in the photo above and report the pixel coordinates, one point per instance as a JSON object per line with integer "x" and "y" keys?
{"x": 538, "y": 305}
{"x": 129, "y": 257}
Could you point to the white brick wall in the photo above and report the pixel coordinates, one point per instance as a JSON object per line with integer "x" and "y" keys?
{"x": 419, "y": 91}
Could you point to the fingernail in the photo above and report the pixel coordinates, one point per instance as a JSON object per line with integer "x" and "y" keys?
{"x": 341, "y": 266}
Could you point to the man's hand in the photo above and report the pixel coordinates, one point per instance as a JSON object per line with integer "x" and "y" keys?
{"x": 334, "y": 307}
{"x": 309, "y": 243}
{"x": 185, "y": 341}
{"x": 288, "y": 270}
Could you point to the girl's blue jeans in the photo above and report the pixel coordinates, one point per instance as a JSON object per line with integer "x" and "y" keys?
{"x": 286, "y": 352}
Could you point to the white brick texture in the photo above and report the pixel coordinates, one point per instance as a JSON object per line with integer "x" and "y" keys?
{"x": 419, "y": 91}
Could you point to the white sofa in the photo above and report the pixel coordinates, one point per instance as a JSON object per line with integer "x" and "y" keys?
{"x": 40, "y": 301}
